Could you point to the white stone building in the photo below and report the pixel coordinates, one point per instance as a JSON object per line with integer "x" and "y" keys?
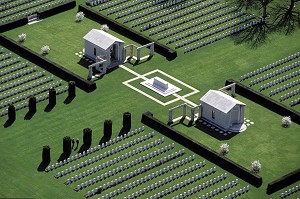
{"x": 223, "y": 111}
{"x": 102, "y": 44}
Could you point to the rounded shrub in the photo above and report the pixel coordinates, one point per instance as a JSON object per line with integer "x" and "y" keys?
{"x": 286, "y": 121}
{"x": 224, "y": 148}
{"x": 256, "y": 166}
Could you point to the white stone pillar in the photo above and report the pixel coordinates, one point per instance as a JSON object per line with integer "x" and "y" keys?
{"x": 152, "y": 49}
{"x": 170, "y": 117}
{"x": 138, "y": 56}
{"x": 233, "y": 89}
{"x": 184, "y": 110}
{"x": 90, "y": 75}
{"x": 131, "y": 51}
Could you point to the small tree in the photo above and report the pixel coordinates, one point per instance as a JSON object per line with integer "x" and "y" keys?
{"x": 22, "y": 37}
{"x": 87, "y": 136}
{"x": 127, "y": 120}
{"x": 286, "y": 121}
{"x": 256, "y": 166}
{"x": 46, "y": 154}
{"x": 107, "y": 128}
{"x": 67, "y": 146}
{"x": 52, "y": 96}
{"x": 72, "y": 89}
{"x": 224, "y": 148}
{"x": 11, "y": 112}
{"x": 104, "y": 27}
{"x": 32, "y": 104}
{"x": 79, "y": 16}
{"x": 45, "y": 50}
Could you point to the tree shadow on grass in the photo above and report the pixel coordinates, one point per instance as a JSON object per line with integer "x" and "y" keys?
{"x": 49, "y": 108}
{"x": 63, "y": 156}
{"x": 8, "y": 123}
{"x": 255, "y": 36}
{"x": 104, "y": 139}
{"x": 69, "y": 99}
{"x": 29, "y": 115}
{"x": 42, "y": 166}
{"x": 123, "y": 131}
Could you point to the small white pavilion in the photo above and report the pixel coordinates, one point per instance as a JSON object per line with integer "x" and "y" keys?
{"x": 98, "y": 43}
{"x": 223, "y": 111}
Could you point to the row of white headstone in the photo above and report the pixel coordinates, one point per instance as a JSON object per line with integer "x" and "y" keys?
{"x": 34, "y": 93}
{"x": 290, "y": 191}
{"x": 97, "y": 148}
{"x": 96, "y": 158}
{"x": 237, "y": 193}
{"x": 9, "y": 62}
{"x": 135, "y": 5}
{"x": 195, "y": 16}
{"x": 274, "y": 73}
{"x": 134, "y": 173}
{"x": 289, "y": 94}
{"x": 125, "y": 167}
{"x": 199, "y": 22}
{"x": 284, "y": 87}
{"x": 12, "y": 69}
{"x": 151, "y": 8}
{"x": 183, "y": 184}
{"x": 270, "y": 66}
{"x": 295, "y": 102}
{"x": 26, "y": 87}
{"x": 200, "y": 29}
{"x": 17, "y": 75}
{"x": 172, "y": 17}
{"x": 210, "y": 194}
{"x": 169, "y": 179}
{"x": 109, "y": 162}
{"x": 5, "y": 56}
{"x": 221, "y": 36}
{"x": 208, "y": 33}
{"x": 279, "y": 80}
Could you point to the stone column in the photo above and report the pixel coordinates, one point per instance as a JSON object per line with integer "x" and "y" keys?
{"x": 233, "y": 89}
{"x": 170, "y": 117}
{"x": 192, "y": 114}
{"x": 138, "y": 56}
{"x": 90, "y": 72}
{"x": 131, "y": 51}
{"x": 184, "y": 110}
{"x": 152, "y": 49}
{"x": 199, "y": 114}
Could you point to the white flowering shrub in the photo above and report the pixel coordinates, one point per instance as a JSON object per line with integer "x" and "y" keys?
{"x": 105, "y": 28}
{"x": 224, "y": 148}
{"x": 22, "y": 37}
{"x": 256, "y": 166}
{"x": 79, "y": 16}
{"x": 45, "y": 50}
{"x": 286, "y": 121}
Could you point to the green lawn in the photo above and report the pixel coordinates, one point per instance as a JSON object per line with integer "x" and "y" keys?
{"x": 207, "y": 68}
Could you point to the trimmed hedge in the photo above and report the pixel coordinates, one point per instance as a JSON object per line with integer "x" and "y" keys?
{"x": 107, "y": 130}
{"x": 13, "y": 24}
{"x": 46, "y": 64}
{"x": 202, "y": 150}
{"x": 11, "y": 112}
{"x": 46, "y": 154}
{"x": 169, "y": 53}
{"x": 283, "y": 182}
{"x": 264, "y": 101}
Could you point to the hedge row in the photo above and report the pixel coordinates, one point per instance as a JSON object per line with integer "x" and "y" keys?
{"x": 46, "y": 64}
{"x": 202, "y": 150}
{"x": 169, "y": 53}
{"x": 264, "y": 101}
{"x": 42, "y": 14}
{"x": 283, "y": 182}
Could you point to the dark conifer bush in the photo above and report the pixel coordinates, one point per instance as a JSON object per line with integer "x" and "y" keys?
{"x": 67, "y": 145}
{"x": 52, "y": 96}
{"x": 107, "y": 128}
{"x": 46, "y": 154}
{"x": 87, "y": 136}
{"x": 32, "y": 104}
{"x": 72, "y": 89}
{"x": 11, "y": 112}
{"x": 127, "y": 120}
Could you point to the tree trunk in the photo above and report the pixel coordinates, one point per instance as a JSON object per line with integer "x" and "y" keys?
{"x": 264, "y": 7}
